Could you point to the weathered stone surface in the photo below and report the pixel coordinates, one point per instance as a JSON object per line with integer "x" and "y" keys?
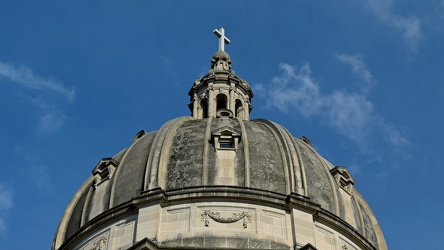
{"x": 186, "y": 156}
{"x": 266, "y": 163}
{"x": 182, "y": 171}
{"x": 74, "y": 222}
{"x": 368, "y": 227}
{"x": 129, "y": 174}
{"x": 218, "y": 160}
{"x": 212, "y": 242}
{"x": 319, "y": 187}
{"x": 356, "y": 214}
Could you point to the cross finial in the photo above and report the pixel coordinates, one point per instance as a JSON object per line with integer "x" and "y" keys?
{"x": 222, "y": 38}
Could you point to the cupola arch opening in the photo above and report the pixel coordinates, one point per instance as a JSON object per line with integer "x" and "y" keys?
{"x": 221, "y": 102}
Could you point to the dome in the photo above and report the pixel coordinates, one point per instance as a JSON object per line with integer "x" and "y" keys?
{"x": 218, "y": 180}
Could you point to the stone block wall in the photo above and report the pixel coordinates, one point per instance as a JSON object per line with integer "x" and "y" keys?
{"x": 217, "y": 225}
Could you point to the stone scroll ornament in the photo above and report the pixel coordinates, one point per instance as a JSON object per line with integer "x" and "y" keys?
{"x": 246, "y": 216}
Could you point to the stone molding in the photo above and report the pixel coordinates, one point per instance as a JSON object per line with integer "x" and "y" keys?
{"x": 223, "y": 194}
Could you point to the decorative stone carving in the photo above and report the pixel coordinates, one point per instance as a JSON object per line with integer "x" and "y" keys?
{"x": 345, "y": 245}
{"x": 100, "y": 244}
{"x": 221, "y": 61}
{"x": 197, "y": 81}
{"x": 246, "y": 216}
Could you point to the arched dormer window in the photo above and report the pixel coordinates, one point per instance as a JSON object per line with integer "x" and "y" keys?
{"x": 221, "y": 102}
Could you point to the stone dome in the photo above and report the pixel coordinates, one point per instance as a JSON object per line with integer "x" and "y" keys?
{"x": 218, "y": 180}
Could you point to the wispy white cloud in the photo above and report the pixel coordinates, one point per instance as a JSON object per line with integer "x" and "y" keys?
{"x": 410, "y": 27}
{"x": 394, "y": 136}
{"x": 50, "y": 116}
{"x": 359, "y": 68}
{"x": 25, "y": 77}
{"x": 350, "y": 114}
{"x": 6, "y": 203}
{"x": 43, "y": 180}
{"x": 5, "y": 196}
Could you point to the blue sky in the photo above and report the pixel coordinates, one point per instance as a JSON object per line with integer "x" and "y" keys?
{"x": 362, "y": 79}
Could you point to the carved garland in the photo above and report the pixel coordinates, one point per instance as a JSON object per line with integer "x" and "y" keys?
{"x": 216, "y": 217}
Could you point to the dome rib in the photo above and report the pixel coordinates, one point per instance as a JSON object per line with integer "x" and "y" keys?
{"x": 126, "y": 181}
{"x": 207, "y": 138}
{"x": 159, "y": 152}
{"x": 295, "y": 168}
{"x": 333, "y": 184}
{"x": 267, "y": 161}
{"x": 119, "y": 169}
{"x": 244, "y": 139}
{"x": 301, "y": 166}
{"x": 281, "y": 143}
{"x": 60, "y": 236}
{"x": 379, "y": 236}
{"x": 319, "y": 187}
{"x": 217, "y": 180}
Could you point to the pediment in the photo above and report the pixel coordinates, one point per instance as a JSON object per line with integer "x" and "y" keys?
{"x": 226, "y": 131}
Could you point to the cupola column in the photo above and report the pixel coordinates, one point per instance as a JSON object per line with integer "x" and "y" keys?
{"x": 211, "y": 101}
{"x": 246, "y": 112}
{"x": 232, "y": 97}
{"x": 195, "y": 106}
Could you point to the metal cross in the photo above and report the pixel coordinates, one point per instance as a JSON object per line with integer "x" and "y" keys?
{"x": 222, "y": 38}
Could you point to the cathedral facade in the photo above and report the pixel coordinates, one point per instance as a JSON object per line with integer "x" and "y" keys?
{"x": 218, "y": 180}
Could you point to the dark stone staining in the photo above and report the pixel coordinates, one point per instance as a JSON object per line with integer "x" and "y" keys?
{"x": 368, "y": 226}
{"x": 240, "y": 165}
{"x": 263, "y": 244}
{"x": 129, "y": 180}
{"x": 238, "y": 243}
{"x": 278, "y": 245}
{"x": 213, "y": 242}
{"x": 107, "y": 195}
{"x": 212, "y": 167}
{"x": 320, "y": 190}
{"x": 186, "y": 155}
{"x": 76, "y": 217}
{"x": 266, "y": 164}
{"x": 240, "y": 156}
{"x": 194, "y": 242}
{"x": 341, "y": 203}
{"x": 356, "y": 214}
